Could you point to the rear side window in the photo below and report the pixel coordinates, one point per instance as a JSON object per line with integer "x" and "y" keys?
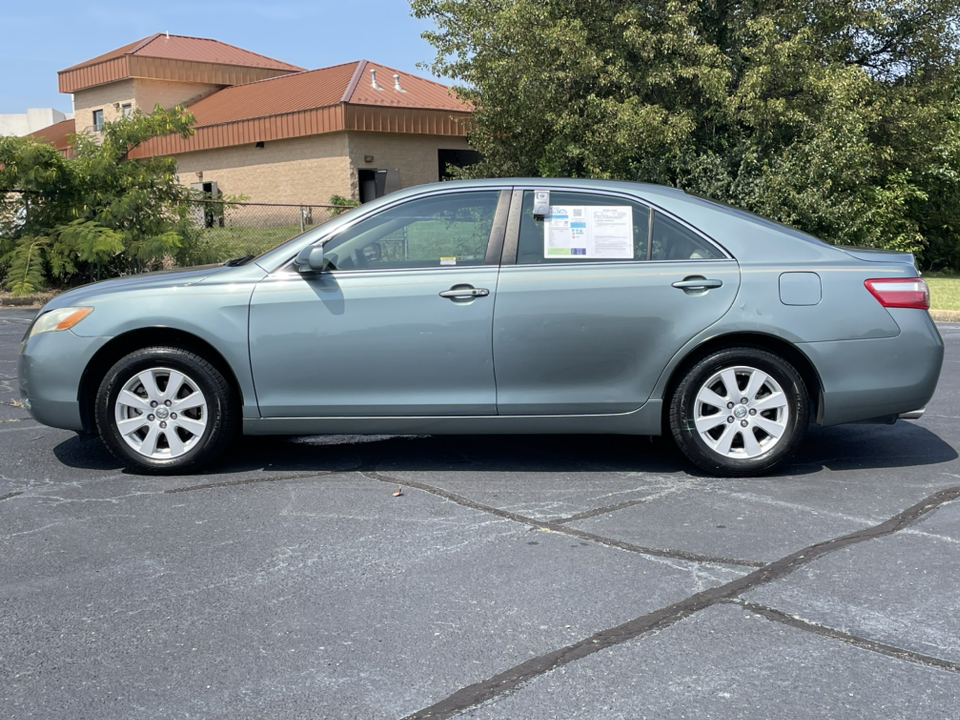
{"x": 582, "y": 228}
{"x": 673, "y": 241}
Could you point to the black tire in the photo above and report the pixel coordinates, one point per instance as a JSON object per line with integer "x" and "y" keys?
{"x": 137, "y": 411}
{"x": 724, "y": 436}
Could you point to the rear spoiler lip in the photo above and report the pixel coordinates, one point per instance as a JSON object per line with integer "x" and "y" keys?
{"x": 878, "y": 255}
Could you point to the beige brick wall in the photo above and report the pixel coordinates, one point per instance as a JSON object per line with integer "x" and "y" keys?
{"x": 142, "y": 94}
{"x": 414, "y": 157}
{"x": 300, "y": 171}
{"x": 101, "y": 97}
{"x": 309, "y": 170}
{"x": 166, "y": 94}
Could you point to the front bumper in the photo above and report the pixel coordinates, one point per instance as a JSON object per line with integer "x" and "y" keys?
{"x": 50, "y": 368}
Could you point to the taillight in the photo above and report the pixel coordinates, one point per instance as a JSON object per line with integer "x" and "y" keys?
{"x": 900, "y": 292}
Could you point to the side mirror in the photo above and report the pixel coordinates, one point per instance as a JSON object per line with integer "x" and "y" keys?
{"x": 310, "y": 259}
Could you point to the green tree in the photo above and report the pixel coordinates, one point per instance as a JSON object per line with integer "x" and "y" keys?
{"x": 95, "y": 212}
{"x": 341, "y": 204}
{"x": 839, "y": 117}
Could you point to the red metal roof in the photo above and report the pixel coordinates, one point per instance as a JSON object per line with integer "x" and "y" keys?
{"x": 414, "y": 92}
{"x": 57, "y": 135}
{"x": 276, "y": 96}
{"x": 191, "y": 49}
{"x": 113, "y": 54}
{"x": 350, "y": 83}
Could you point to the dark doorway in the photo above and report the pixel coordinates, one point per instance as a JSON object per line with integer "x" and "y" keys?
{"x": 212, "y": 208}
{"x": 377, "y": 183}
{"x": 368, "y": 185}
{"x": 457, "y": 158}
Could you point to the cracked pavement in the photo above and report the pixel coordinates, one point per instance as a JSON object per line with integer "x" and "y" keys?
{"x": 515, "y": 577}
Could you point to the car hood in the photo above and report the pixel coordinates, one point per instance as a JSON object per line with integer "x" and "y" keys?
{"x": 159, "y": 279}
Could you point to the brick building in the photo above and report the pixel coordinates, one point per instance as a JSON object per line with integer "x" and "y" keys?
{"x": 271, "y": 131}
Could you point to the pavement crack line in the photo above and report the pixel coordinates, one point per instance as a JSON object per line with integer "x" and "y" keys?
{"x": 252, "y": 481}
{"x": 860, "y": 642}
{"x": 10, "y": 495}
{"x": 512, "y": 679}
{"x": 596, "y": 512}
{"x": 557, "y": 527}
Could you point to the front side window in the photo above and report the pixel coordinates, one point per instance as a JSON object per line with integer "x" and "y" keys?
{"x": 583, "y": 227}
{"x": 449, "y": 230}
{"x": 98, "y": 120}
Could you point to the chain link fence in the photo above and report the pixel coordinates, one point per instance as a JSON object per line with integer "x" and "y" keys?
{"x": 235, "y": 229}
{"x": 221, "y": 231}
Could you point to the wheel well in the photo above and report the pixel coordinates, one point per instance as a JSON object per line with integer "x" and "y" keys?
{"x": 127, "y": 343}
{"x": 774, "y": 345}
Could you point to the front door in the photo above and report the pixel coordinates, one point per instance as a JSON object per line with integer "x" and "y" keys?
{"x": 399, "y": 322}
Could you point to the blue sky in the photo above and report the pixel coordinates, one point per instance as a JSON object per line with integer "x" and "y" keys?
{"x": 41, "y": 37}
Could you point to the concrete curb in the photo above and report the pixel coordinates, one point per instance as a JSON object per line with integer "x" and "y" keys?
{"x": 945, "y": 315}
{"x": 37, "y": 300}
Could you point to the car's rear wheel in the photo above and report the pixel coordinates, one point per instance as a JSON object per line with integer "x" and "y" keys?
{"x": 165, "y": 410}
{"x": 739, "y": 411}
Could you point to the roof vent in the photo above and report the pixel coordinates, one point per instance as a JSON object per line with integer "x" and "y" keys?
{"x": 373, "y": 79}
{"x": 396, "y": 83}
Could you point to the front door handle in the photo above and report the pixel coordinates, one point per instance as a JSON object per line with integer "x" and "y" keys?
{"x": 464, "y": 292}
{"x": 697, "y": 282}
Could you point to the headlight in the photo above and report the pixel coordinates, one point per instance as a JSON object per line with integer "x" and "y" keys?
{"x": 57, "y": 320}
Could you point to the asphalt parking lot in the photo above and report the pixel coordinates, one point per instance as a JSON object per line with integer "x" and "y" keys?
{"x": 514, "y": 577}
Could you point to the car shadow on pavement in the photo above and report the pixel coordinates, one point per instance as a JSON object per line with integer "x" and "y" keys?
{"x": 847, "y": 447}
{"x": 836, "y": 448}
{"x": 494, "y": 453}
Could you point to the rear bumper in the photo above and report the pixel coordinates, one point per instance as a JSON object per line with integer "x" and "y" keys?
{"x": 864, "y": 379}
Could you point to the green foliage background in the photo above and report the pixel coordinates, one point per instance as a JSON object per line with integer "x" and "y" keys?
{"x": 95, "y": 213}
{"x": 839, "y": 117}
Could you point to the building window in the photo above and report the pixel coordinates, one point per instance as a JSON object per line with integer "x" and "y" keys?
{"x": 126, "y": 111}
{"x": 98, "y": 120}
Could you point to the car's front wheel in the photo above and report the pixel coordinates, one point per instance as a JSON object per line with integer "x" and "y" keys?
{"x": 739, "y": 411}
{"x": 165, "y": 410}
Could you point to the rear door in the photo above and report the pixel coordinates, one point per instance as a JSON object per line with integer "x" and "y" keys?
{"x": 595, "y": 299}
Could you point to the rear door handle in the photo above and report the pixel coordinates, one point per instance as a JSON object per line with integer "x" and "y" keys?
{"x": 697, "y": 282}
{"x": 464, "y": 292}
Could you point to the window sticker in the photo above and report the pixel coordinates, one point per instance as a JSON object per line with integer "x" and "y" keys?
{"x": 589, "y": 231}
{"x": 448, "y": 261}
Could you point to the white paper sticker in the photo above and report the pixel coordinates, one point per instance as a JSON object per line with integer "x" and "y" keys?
{"x": 589, "y": 231}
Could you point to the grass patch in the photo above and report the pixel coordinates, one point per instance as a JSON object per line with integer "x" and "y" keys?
{"x": 944, "y": 291}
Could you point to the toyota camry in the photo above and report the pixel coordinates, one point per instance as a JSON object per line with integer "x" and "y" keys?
{"x": 497, "y": 306}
